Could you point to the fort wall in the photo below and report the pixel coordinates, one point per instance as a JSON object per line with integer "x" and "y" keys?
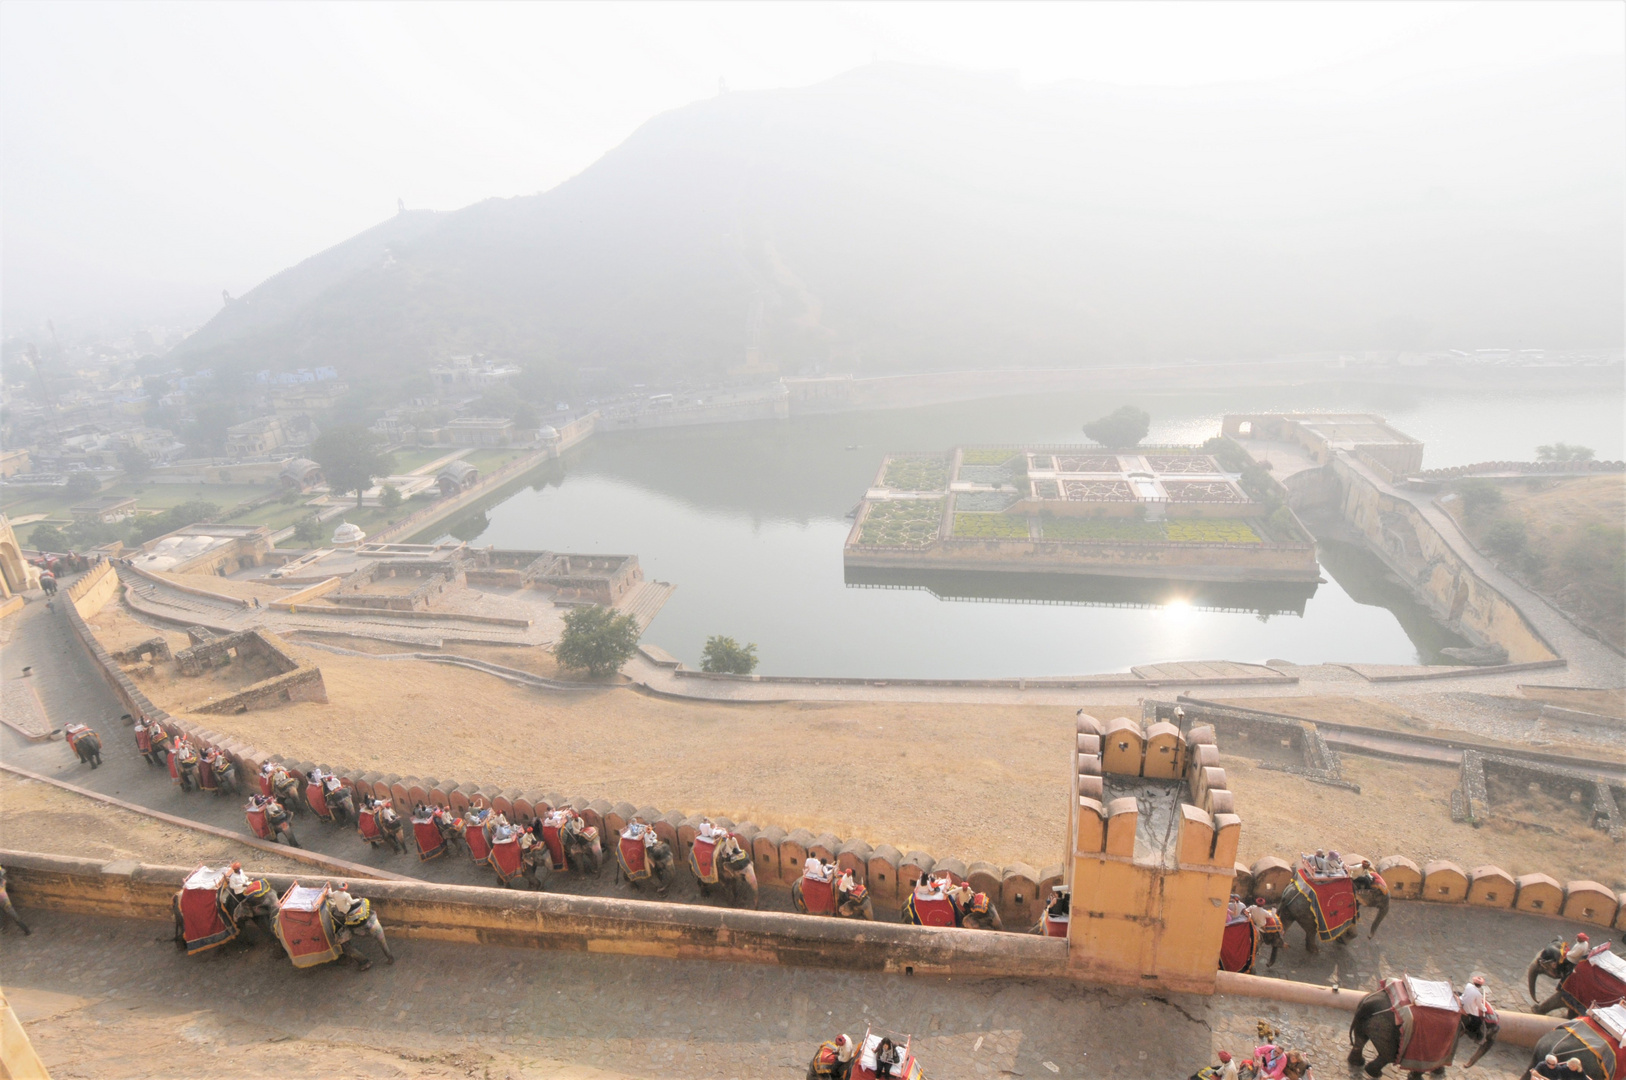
{"x": 94, "y": 589}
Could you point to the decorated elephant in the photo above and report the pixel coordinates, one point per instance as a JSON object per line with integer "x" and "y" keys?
{"x": 1550, "y": 962}
{"x": 378, "y": 823}
{"x": 1297, "y": 909}
{"x": 849, "y": 898}
{"x": 1374, "y": 1022}
{"x": 975, "y": 911}
{"x": 584, "y": 853}
{"x": 641, "y": 856}
{"x": 285, "y": 788}
{"x": 736, "y": 874}
{"x": 85, "y": 743}
{"x": 1564, "y": 1044}
{"x": 227, "y": 778}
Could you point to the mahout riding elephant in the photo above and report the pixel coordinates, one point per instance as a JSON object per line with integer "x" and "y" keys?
{"x": 975, "y": 911}
{"x": 280, "y": 822}
{"x": 85, "y": 743}
{"x": 1374, "y": 1022}
{"x": 583, "y": 851}
{"x": 1550, "y": 962}
{"x": 1295, "y": 909}
{"x": 535, "y": 864}
{"x": 852, "y": 902}
{"x": 186, "y": 766}
{"x": 736, "y": 875}
{"x": 1563, "y": 1045}
{"x": 391, "y": 829}
{"x": 226, "y": 774}
{"x": 287, "y": 790}
{"x": 659, "y": 863}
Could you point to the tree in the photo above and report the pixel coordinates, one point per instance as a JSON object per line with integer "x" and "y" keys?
{"x": 350, "y": 457}
{"x": 1563, "y": 452}
{"x": 48, "y": 538}
{"x": 82, "y": 485}
{"x": 308, "y": 531}
{"x": 1506, "y": 538}
{"x": 176, "y": 517}
{"x": 136, "y": 464}
{"x": 597, "y": 640}
{"x": 727, "y": 655}
{"x": 390, "y": 497}
{"x": 1121, "y": 429}
{"x": 1479, "y": 496}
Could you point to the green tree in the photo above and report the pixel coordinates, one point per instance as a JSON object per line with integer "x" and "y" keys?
{"x": 136, "y": 464}
{"x": 350, "y": 457}
{"x": 724, "y": 654}
{"x": 48, "y": 538}
{"x": 176, "y": 517}
{"x": 1506, "y": 538}
{"x": 390, "y": 497}
{"x": 82, "y": 485}
{"x": 1121, "y": 429}
{"x": 1479, "y": 496}
{"x": 308, "y": 531}
{"x": 597, "y": 640}
{"x": 1563, "y": 452}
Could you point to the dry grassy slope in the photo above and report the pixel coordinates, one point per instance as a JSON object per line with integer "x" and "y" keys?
{"x": 39, "y": 817}
{"x": 970, "y": 781}
{"x": 1556, "y": 517}
{"x": 242, "y": 590}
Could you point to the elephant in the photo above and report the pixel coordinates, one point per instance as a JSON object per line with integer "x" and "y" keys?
{"x": 1295, "y": 908}
{"x": 853, "y": 904}
{"x": 226, "y": 775}
{"x": 281, "y": 822}
{"x": 1563, "y": 1045}
{"x": 583, "y": 852}
{"x": 286, "y": 789}
{"x": 535, "y": 864}
{"x": 736, "y": 876}
{"x": 662, "y": 867}
{"x": 976, "y": 911}
{"x": 1550, "y": 962}
{"x": 391, "y": 829}
{"x": 341, "y": 804}
{"x": 88, "y": 745}
{"x": 257, "y": 903}
{"x": 1374, "y": 1022}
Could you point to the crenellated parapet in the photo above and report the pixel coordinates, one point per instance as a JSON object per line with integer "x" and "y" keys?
{"x": 1152, "y": 841}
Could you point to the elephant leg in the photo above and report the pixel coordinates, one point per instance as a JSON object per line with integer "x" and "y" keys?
{"x": 377, "y": 933}
{"x": 1549, "y": 1004}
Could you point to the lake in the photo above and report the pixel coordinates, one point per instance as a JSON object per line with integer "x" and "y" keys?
{"x": 748, "y": 520}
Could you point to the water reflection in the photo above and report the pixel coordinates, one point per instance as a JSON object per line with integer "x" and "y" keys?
{"x": 1263, "y": 599}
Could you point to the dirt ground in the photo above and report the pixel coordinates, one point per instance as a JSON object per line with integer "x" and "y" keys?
{"x": 1603, "y": 702}
{"x": 969, "y": 781}
{"x": 242, "y": 590}
{"x": 46, "y": 819}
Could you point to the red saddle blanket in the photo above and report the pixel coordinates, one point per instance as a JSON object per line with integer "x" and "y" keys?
{"x": 634, "y": 858}
{"x": 1428, "y": 1015}
{"x": 479, "y": 846}
{"x": 1239, "y": 947}
{"x": 430, "y": 842}
{"x": 265, "y": 785}
{"x": 175, "y": 767}
{"x": 1599, "y": 979}
{"x": 206, "y": 775}
{"x": 143, "y": 739}
{"x": 1056, "y": 926}
{"x": 1332, "y": 900}
{"x": 819, "y": 897}
{"x": 507, "y": 859}
{"x": 553, "y": 837}
{"x": 257, "y": 822}
{"x": 704, "y": 856}
{"x": 367, "y": 825}
{"x": 316, "y": 797}
{"x": 930, "y": 910}
{"x": 203, "y": 924}
{"x": 305, "y": 926}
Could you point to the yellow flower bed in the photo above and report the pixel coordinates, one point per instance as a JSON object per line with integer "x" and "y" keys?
{"x": 990, "y": 527}
{"x": 1211, "y": 531}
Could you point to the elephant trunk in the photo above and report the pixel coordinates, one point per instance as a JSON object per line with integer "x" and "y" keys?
{"x": 1530, "y": 974}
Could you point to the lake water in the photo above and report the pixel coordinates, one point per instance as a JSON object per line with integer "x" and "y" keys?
{"x": 748, "y": 520}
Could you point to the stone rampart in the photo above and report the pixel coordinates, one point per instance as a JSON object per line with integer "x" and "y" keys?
{"x": 1415, "y": 550}
{"x": 94, "y": 589}
{"x": 489, "y": 916}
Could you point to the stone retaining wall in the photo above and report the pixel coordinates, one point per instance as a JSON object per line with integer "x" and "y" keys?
{"x": 94, "y": 589}
{"x": 487, "y": 916}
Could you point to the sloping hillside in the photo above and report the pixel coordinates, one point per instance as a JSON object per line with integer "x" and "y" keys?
{"x": 906, "y": 219}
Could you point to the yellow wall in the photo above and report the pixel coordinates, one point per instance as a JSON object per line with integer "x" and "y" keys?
{"x": 99, "y": 585}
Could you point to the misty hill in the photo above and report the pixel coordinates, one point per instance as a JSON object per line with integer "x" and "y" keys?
{"x": 902, "y": 218}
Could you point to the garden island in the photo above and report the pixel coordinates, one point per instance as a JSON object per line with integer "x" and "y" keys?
{"x": 1187, "y": 513}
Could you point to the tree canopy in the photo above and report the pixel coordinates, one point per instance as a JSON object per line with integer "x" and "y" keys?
{"x": 350, "y": 458}
{"x": 724, "y": 654}
{"x": 1120, "y": 429}
{"x": 597, "y": 640}
{"x": 1563, "y": 452}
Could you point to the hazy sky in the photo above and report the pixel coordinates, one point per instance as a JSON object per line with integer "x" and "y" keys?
{"x": 154, "y": 154}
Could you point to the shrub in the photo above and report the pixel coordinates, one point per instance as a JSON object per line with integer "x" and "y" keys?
{"x": 724, "y": 654}
{"x": 1283, "y": 525}
{"x": 1506, "y": 539}
{"x": 390, "y": 497}
{"x": 48, "y": 538}
{"x": 82, "y": 485}
{"x": 309, "y": 531}
{"x": 1479, "y": 496}
{"x": 902, "y": 522}
{"x": 916, "y": 474}
{"x": 597, "y": 640}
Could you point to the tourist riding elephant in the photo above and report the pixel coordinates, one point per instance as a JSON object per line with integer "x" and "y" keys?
{"x": 736, "y": 876}
{"x": 1374, "y": 1022}
{"x": 1563, "y": 1045}
{"x": 280, "y": 822}
{"x": 1295, "y": 909}
{"x": 226, "y": 774}
{"x": 286, "y": 789}
{"x": 1551, "y": 963}
{"x": 584, "y": 852}
{"x": 658, "y": 855}
{"x": 851, "y": 903}
{"x": 392, "y": 828}
{"x": 341, "y": 803}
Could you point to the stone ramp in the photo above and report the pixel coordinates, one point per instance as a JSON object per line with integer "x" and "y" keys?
{"x": 644, "y": 601}
{"x": 21, "y": 710}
